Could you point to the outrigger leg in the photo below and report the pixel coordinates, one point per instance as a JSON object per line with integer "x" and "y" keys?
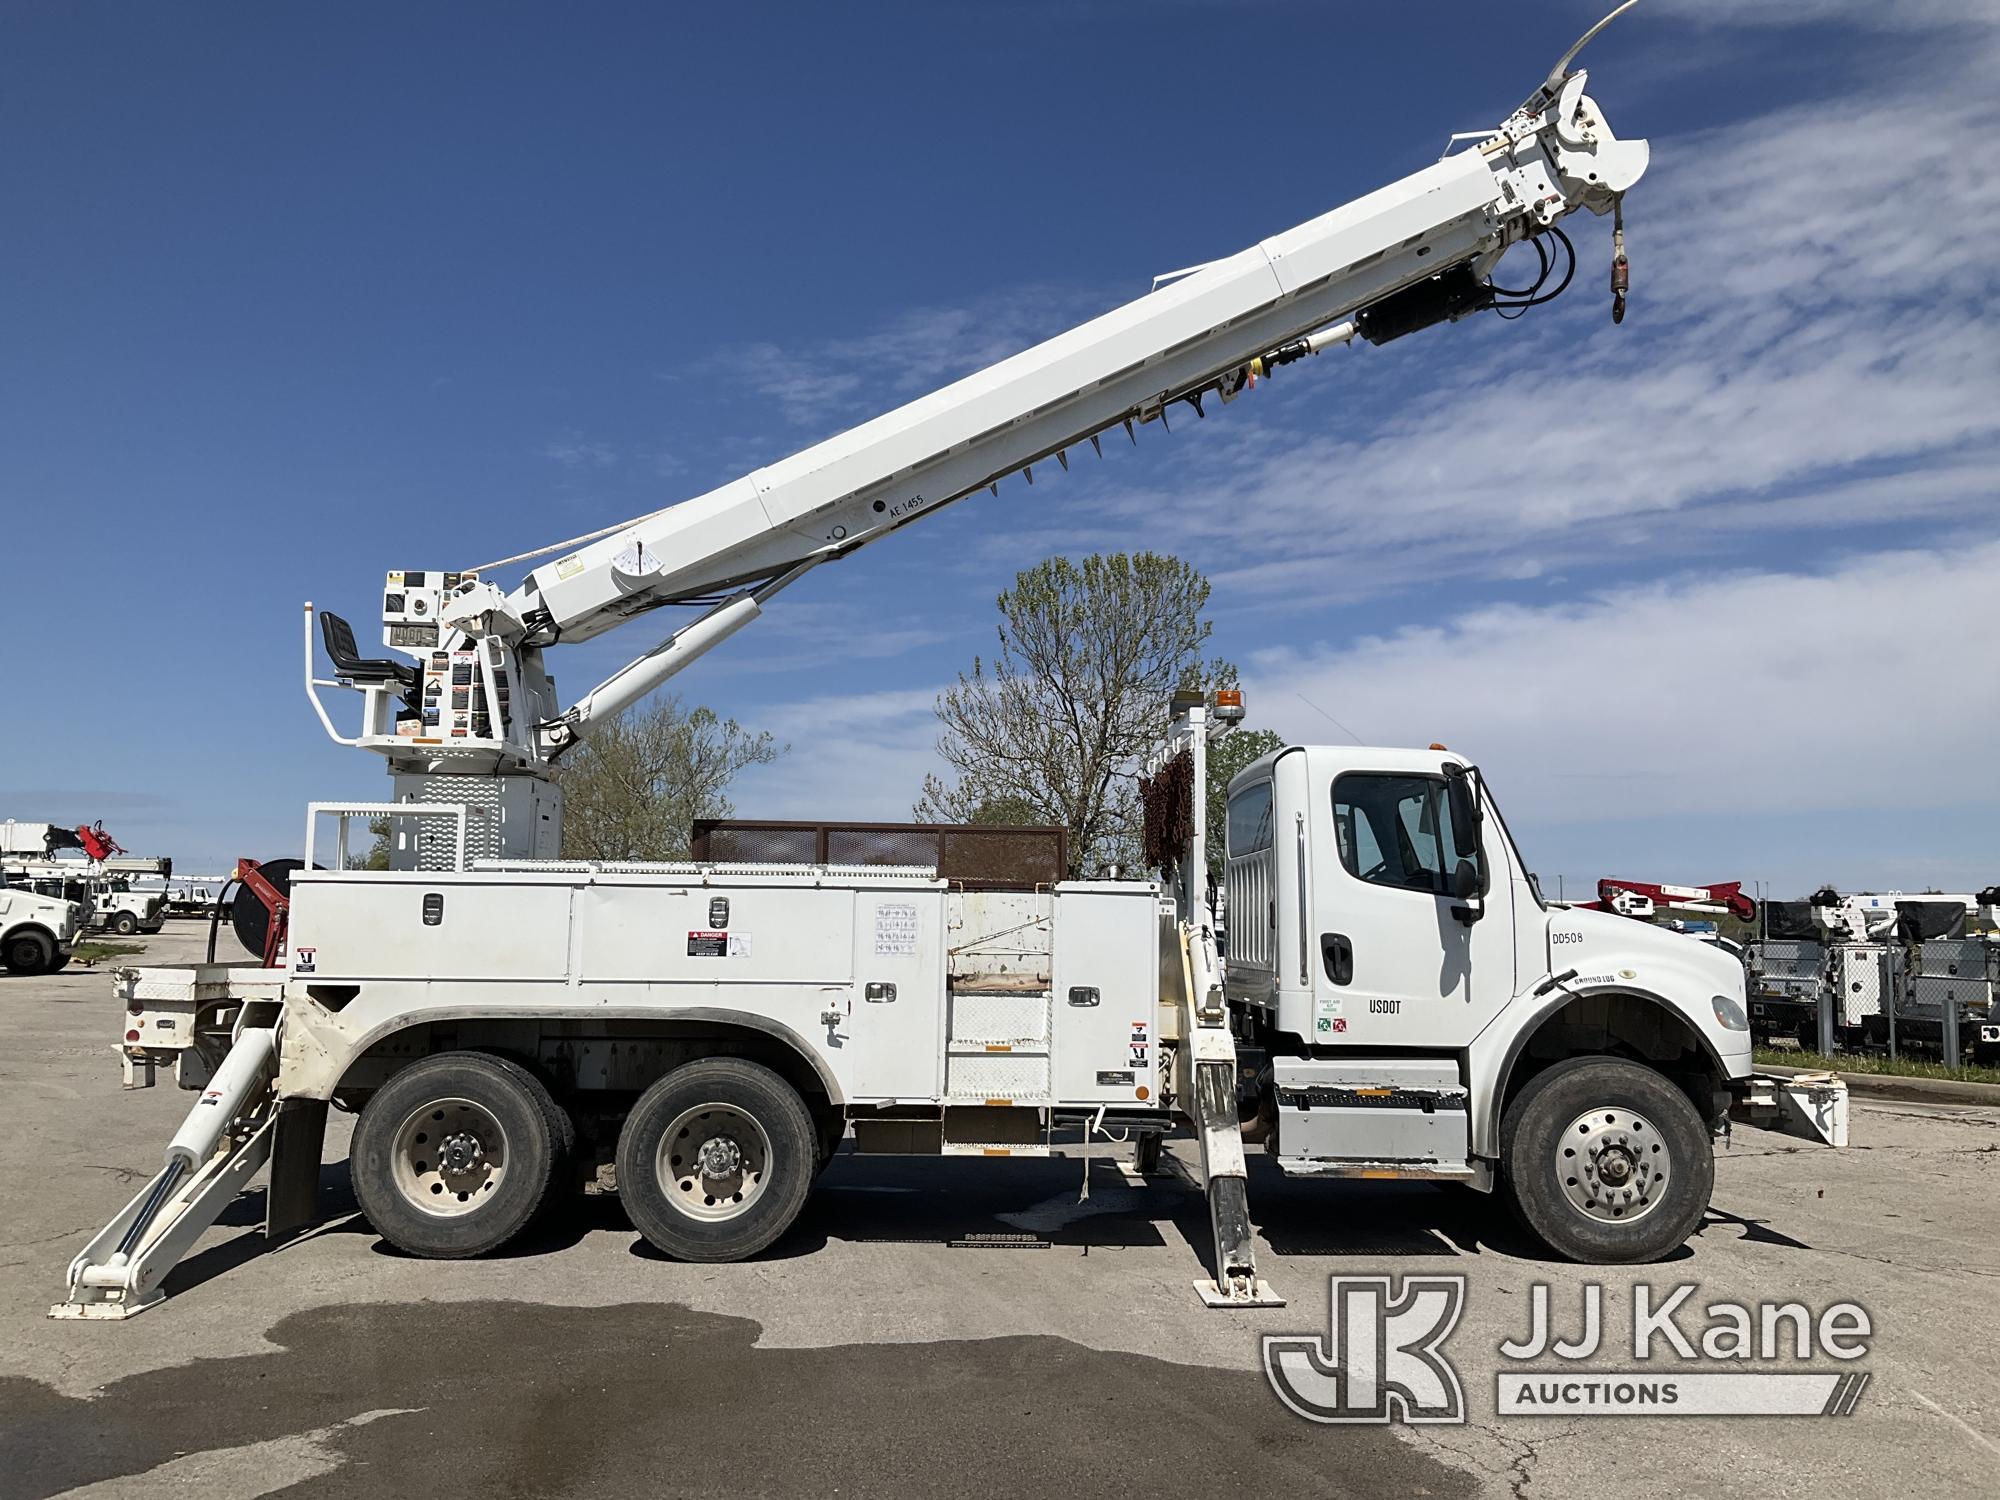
{"x": 1210, "y": 1052}
{"x": 225, "y": 1139}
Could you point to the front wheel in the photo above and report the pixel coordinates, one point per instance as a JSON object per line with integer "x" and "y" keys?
{"x": 1606, "y": 1162}
{"x": 28, "y": 953}
{"x": 716, "y": 1160}
{"x": 125, "y": 924}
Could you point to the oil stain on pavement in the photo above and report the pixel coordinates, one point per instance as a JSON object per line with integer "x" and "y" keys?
{"x": 457, "y": 1400}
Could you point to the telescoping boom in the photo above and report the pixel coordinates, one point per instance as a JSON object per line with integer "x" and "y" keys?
{"x": 1417, "y": 252}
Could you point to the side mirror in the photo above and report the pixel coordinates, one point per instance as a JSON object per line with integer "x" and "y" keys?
{"x": 1465, "y": 881}
{"x": 1468, "y": 874}
{"x": 1466, "y": 817}
{"x": 1469, "y": 905}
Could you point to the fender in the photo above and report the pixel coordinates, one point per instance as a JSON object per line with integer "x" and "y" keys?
{"x": 1491, "y": 1066}
{"x": 305, "y": 1053}
{"x": 30, "y": 929}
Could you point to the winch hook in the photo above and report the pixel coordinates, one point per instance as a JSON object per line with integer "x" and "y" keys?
{"x": 1621, "y": 269}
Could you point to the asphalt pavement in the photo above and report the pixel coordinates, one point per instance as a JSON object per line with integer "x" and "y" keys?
{"x": 935, "y": 1326}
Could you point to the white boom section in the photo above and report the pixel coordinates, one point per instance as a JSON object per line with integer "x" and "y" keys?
{"x": 1408, "y": 255}
{"x": 1186, "y": 338}
{"x": 1182, "y": 339}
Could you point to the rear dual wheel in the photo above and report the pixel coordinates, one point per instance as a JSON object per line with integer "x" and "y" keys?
{"x": 716, "y": 1160}
{"x": 456, "y": 1154}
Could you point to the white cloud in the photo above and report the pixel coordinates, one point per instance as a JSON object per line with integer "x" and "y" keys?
{"x": 1872, "y": 15}
{"x": 805, "y": 633}
{"x": 1866, "y": 686}
{"x": 574, "y": 451}
{"x": 854, "y": 756}
{"x": 1809, "y": 288}
{"x": 821, "y": 380}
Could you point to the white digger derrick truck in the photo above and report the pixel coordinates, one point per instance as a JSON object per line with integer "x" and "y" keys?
{"x": 34, "y": 856}
{"x": 1398, "y": 1001}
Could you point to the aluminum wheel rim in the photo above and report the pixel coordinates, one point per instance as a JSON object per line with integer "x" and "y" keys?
{"x": 714, "y": 1161}
{"x": 1613, "y": 1165}
{"x": 449, "y": 1157}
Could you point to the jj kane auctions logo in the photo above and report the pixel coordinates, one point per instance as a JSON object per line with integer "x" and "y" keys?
{"x": 1382, "y": 1358}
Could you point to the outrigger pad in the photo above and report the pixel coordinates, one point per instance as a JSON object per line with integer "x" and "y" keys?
{"x": 1260, "y": 1295}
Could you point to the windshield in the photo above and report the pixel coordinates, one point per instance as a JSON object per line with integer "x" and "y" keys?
{"x": 1513, "y": 849}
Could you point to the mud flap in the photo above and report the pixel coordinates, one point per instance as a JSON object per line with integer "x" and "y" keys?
{"x": 292, "y": 1202}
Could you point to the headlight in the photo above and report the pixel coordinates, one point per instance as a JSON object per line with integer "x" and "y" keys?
{"x": 1729, "y": 1014}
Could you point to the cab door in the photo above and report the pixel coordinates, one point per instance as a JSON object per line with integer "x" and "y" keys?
{"x": 1398, "y": 963}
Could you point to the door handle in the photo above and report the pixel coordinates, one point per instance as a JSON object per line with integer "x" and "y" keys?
{"x": 1338, "y": 953}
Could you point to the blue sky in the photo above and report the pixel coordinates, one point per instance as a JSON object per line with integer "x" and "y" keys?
{"x": 292, "y": 295}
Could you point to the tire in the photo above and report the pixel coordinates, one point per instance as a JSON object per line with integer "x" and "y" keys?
{"x": 61, "y": 963}
{"x": 28, "y": 953}
{"x": 829, "y": 1130}
{"x": 499, "y": 1123}
{"x": 1631, "y": 1126}
{"x": 761, "y": 1149}
{"x": 124, "y": 924}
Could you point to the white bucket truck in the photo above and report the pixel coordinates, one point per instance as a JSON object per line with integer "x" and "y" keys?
{"x": 1398, "y": 1000}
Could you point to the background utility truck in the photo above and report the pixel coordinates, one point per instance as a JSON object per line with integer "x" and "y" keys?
{"x": 33, "y": 855}
{"x": 37, "y": 932}
{"x": 1398, "y": 1001}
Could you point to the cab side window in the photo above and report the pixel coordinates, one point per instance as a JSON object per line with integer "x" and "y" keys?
{"x": 1395, "y": 830}
{"x": 1249, "y": 827}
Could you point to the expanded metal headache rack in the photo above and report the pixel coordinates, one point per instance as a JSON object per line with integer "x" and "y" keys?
{"x": 975, "y": 856}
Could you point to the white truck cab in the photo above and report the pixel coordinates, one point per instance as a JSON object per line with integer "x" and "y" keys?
{"x": 125, "y": 911}
{"x": 1398, "y": 985}
{"x": 36, "y": 932}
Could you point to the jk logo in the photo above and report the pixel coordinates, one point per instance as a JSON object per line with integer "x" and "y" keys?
{"x": 1381, "y": 1359}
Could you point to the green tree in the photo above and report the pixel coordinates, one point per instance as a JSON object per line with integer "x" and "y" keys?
{"x": 377, "y": 857}
{"x": 1055, "y": 728}
{"x": 633, "y": 788}
{"x": 1226, "y": 757}
{"x": 1005, "y": 812}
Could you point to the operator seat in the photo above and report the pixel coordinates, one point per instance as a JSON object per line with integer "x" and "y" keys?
{"x": 349, "y": 663}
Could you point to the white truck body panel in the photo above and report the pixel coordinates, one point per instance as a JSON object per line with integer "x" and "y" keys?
{"x": 849, "y": 965}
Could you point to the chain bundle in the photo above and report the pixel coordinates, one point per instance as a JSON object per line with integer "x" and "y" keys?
{"x": 1167, "y": 799}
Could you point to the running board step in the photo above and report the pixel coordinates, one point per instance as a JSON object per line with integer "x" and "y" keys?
{"x": 1475, "y": 1174}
